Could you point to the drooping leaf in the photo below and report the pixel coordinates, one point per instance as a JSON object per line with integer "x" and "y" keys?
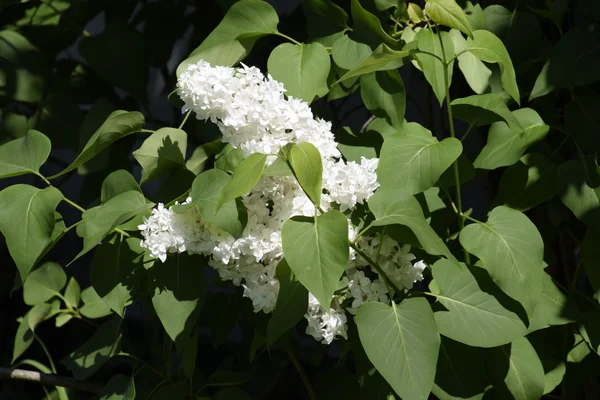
{"x": 432, "y": 68}
{"x": 382, "y": 59}
{"x": 384, "y": 95}
{"x": 303, "y": 69}
{"x": 43, "y": 283}
{"x": 402, "y": 342}
{"x": 448, "y": 13}
{"x": 119, "y": 387}
{"x": 24, "y": 155}
{"x": 162, "y": 151}
{"x": 484, "y": 109}
{"x": 476, "y": 73}
{"x": 511, "y": 249}
{"x": 368, "y": 27}
{"x": 305, "y": 162}
{"x": 316, "y": 250}
{"x": 245, "y": 177}
{"x": 117, "y": 182}
{"x": 27, "y": 222}
{"x": 414, "y": 160}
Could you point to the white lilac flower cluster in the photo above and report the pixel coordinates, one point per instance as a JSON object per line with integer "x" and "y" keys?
{"x": 254, "y": 115}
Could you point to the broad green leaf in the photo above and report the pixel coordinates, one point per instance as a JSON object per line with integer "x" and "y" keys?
{"x": 112, "y": 271}
{"x": 473, "y": 317}
{"x": 94, "y": 118}
{"x": 162, "y": 151}
{"x": 506, "y": 146}
{"x": 305, "y": 162}
{"x": 27, "y": 222}
{"x": 117, "y": 182}
{"x": 44, "y": 13}
{"x": 589, "y": 329}
{"x": 43, "y": 283}
{"x": 528, "y": 183}
{"x": 448, "y": 13}
{"x": 303, "y": 69}
{"x": 581, "y": 118}
{"x": 24, "y": 68}
{"x": 96, "y": 351}
{"x": 291, "y": 306}
{"x": 24, "y": 336}
{"x": 118, "y": 125}
{"x": 512, "y": 250}
{"x": 460, "y": 372}
{"x": 392, "y": 206}
{"x": 414, "y": 160}
{"x": 316, "y": 250}
{"x": 224, "y": 46}
{"x": 368, "y": 27}
{"x": 178, "y": 291}
{"x": 197, "y": 160}
{"x": 476, "y": 73}
{"x": 326, "y": 21}
{"x": 245, "y": 177}
{"x": 277, "y": 168}
{"x": 517, "y": 367}
{"x": 189, "y": 355}
{"x": 348, "y": 53}
{"x": 93, "y": 306}
{"x": 229, "y": 158}
{"x": 355, "y": 145}
{"x": 553, "y": 307}
{"x": 484, "y": 109}
{"x": 383, "y": 58}
{"x": 73, "y": 293}
{"x": 402, "y": 342}
{"x": 24, "y": 155}
{"x": 590, "y": 252}
{"x": 62, "y": 319}
{"x": 466, "y": 172}
{"x": 432, "y": 68}
{"x": 206, "y": 192}
{"x": 574, "y": 180}
{"x": 119, "y": 387}
{"x": 383, "y": 94}
{"x": 488, "y": 48}
{"x": 100, "y": 221}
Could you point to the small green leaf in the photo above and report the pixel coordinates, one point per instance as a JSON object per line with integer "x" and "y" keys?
{"x": 119, "y": 387}
{"x": 118, "y": 182}
{"x": 118, "y": 125}
{"x": 506, "y": 146}
{"x": 164, "y": 150}
{"x": 245, "y": 177}
{"x": 44, "y": 14}
{"x": 43, "y": 283}
{"x": 93, "y": 306}
{"x": 432, "y": 68}
{"x": 511, "y": 249}
{"x": 398, "y": 207}
{"x": 348, "y": 53}
{"x": 368, "y": 27}
{"x": 484, "y": 109}
{"x": 93, "y": 354}
{"x": 448, "y": 13}
{"x": 305, "y": 162}
{"x": 381, "y": 59}
{"x": 316, "y": 250}
{"x": 414, "y": 160}
{"x": 383, "y": 94}
{"x": 291, "y": 306}
{"x": 24, "y": 155}
{"x": 476, "y": 73}
{"x": 303, "y": 69}
{"x": 402, "y": 342}
{"x": 94, "y": 118}
{"x": 576, "y": 193}
{"x": 27, "y": 222}
{"x": 62, "y": 319}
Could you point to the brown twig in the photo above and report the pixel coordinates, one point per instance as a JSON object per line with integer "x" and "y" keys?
{"x": 49, "y": 379}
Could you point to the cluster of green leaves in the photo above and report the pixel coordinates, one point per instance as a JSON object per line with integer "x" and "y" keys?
{"x": 508, "y": 313}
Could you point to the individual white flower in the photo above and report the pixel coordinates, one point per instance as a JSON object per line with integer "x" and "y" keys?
{"x": 325, "y": 325}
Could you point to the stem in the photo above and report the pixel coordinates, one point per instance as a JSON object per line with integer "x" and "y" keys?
{"x": 457, "y": 55}
{"x": 574, "y": 280}
{"x": 373, "y": 264}
{"x": 465, "y": 216}
{"x": 52, "y": 366}
{"x": 150, "y": 367}
{"x": 74, "y": 205}
{"x": 147, "y": 130}
{"x": 305, "y": 381}
{"x": 185, "y": 119}
{"x": 469, "y": 129}
{"x": 432, "y": 55}
{"x": 49, "y": 379}
{"x": 461, "y": 222}
{"x": 287, "y": 37}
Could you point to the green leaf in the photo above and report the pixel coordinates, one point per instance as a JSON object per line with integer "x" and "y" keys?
{"x": 553, "y": 307}
{"x": 117, "y": 182}
{"x": 206, "y": 192}
{"x": 398, "y": 207}
{"x": 277, "y": 168}
{"x": 118, "y": 125}
{"x": 93, "y": 120}
{"x": 368, "y": 27}
{"x": 488, "y": 48}
{"x": 245, "y": 177}
{"x": 590, "y": 252}
{"x": 164, "y": 150}
{"x": 229, "y": 158}
{"x": 189, "y": 355}
{"x": 505, "y": 146}
{"x": 576, "y": 193}
{"x": 224, "y": 46}
{"x": 112, "y": 271}
{"x": 62, "y": 319}
{"x": 384, "y": 95}
{"x": 581, "y": 118}
{"x": 402, "y": 342}
{"x": 44, "y": 14}
{"x": 460, "y": 372}
{"x": 93, "y": 306}
{"x": 24, "y": 155}
{"x": 432, "y": 67}
{"x": 476, "y": 73}
{"x": 291, "y": 306}
{"x": 197, "y": 160}
{"x": 381, "y": 59}
{"x": 178, "y": 291}
{"x": 326, "y": 21}
{"x": 43, "y": 283}
{"x": 414, "y": 160}
{"x": 483, "y": 109}
{"x": 100, "y": 221}
{"x": 24, "y": 336}
{"x": 528, "y": 183}
{"x": 119, "y": 387}
{"x": 516, "y": 370}
{"x": 448, "y": 13}
{"x": 512, "y": 250}
{"x": 24, "y": 68}
{"x": 316, "y": 250}
{"x": 303, "y": 69}
{"x": 305, "y": 162}
{"x": 173, "y": 391}
{"x": 94, "y": 353}
{"x": 27, "y": 222}
{"x": 348, "y": 53}
{"x": 473, "y": 317}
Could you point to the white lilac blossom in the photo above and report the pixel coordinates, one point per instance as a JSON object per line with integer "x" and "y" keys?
{"x": 254, "y": 115}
